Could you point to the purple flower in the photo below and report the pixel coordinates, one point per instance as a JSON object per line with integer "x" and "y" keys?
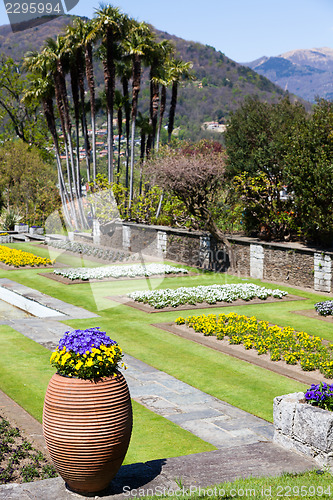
{"x": 81, "y": 341}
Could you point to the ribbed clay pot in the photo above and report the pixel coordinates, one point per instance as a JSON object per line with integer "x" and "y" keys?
{"x": 87, "y": 428}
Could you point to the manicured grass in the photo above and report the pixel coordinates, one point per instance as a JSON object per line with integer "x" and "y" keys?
{"x": 24, "y": 376}
{"x": 291, "y": 486}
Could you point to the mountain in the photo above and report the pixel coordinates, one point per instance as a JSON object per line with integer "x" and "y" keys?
{"x": 219, "y": 86}
{"x": 306, "y": 73}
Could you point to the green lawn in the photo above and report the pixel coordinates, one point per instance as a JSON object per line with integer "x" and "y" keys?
{"x": 244, "y": 385}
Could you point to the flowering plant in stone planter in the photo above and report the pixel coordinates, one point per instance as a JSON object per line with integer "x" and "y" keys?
{"x": 320, "y": 395}
{"x": 88, "y": 354}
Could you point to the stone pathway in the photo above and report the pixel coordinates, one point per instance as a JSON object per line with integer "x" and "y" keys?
{"x": 211, "y": 419}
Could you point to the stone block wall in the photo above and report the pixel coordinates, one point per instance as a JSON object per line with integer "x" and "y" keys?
{"x": 183, "y": 247}
{"x": 294, "y": 265}
{"x": 288, "y": 265}
{"x": 303, "y": 428}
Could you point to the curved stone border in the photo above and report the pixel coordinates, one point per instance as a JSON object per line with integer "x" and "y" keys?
{"x": 249, "y": 355}
{"x": 123, "y": 299}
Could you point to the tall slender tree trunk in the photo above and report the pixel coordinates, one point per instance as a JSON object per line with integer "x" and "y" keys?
{"x": 162, "y": 110}
{"x": 76, "y": 101}
{"x": 80, "y": 69}
{"x": 127, "y": 127}
{"x": 50, "y": 120}
{"x": 154, "y": 104}
{"x": 135, "y": 95}
{"x": 172, "y": 109}
{"x": 109, "y": 78}
{"x": 91, "y": 86}
{"x": 120, "y": 131}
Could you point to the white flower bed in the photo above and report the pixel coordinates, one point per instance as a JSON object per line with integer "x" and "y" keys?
{"x": 210, "y": 294}
{"x": 129, "y": 271}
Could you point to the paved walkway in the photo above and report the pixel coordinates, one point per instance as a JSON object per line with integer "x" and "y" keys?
{"x": 243, "y": 441}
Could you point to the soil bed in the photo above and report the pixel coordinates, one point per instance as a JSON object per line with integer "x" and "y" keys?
{"x": 6, "y": 267}
{"x": 312, "y": 313}
{"x": 294, "y": 372}
{"x": 123, "y": 299}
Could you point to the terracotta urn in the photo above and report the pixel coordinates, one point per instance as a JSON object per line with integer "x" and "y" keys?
{"x": 87, "y": 427}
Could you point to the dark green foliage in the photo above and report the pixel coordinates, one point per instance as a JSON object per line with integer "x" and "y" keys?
{"x": 309, "y": 168}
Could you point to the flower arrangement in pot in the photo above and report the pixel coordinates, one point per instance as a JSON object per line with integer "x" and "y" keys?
{"x": 87, "y": 415}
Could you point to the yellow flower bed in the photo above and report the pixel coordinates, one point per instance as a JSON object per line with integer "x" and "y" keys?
{"x": 281, "y": 343}
{"x": 18, "y": 258}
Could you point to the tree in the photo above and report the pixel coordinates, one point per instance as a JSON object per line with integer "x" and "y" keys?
{"x": 74, "y": 41}
{"x": 257, "y": 142}
{"x": 109, "y": 25}
{"x": 19, "y": 119}
{"x": 196, "y": 175}
{"x": 157, "y": 59}
{"x": 42, "y": 89}
{"x": 27, "y": 183}
{"x": 136, "y": 44}
{"x": 257, "y": 134}
{"x": 309, "y": 168}
{"x": 178, "y": 70}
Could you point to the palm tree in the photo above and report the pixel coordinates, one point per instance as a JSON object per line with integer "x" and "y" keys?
{"x": 74, "y": 45}
{"x": 55, "y": 51}
{"x": 158, "y": 55}
{"x": 178, "y": 70}
{"x": 124, "y": 72}
{"x": 86, "y": 37}
{"x": 109, "y": 25}
{"x": 136, "y": 45}
{"x": 42, "y": 89}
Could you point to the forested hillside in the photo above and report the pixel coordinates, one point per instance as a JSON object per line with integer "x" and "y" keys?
{"x": 219, "y": 84}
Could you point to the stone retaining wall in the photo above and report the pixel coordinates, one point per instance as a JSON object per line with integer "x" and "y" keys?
{"x": 289, "y": 263}
{"x": 303, "y": 428}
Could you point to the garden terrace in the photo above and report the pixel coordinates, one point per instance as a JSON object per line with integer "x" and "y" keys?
{"x": 223, "y": 377}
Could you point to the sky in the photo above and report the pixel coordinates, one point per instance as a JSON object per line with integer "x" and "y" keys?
{"x": 243, "y": 30}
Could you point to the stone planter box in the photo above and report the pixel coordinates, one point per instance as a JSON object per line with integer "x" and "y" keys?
{"x": 303, "y": 428}
{"x": 21, "y": 228}
{"x": 6, "y": 239}
{"x": 36, "y": 230}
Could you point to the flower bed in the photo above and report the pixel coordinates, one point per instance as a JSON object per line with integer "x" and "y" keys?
{"x": 324, "y": 308}
{"x": 281, "y": 343}
{"x": 210, "y": 294}
{"x": 18, "y": 258}
{"x": 129, "y": 271}
{"x": 89, "y": 250}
